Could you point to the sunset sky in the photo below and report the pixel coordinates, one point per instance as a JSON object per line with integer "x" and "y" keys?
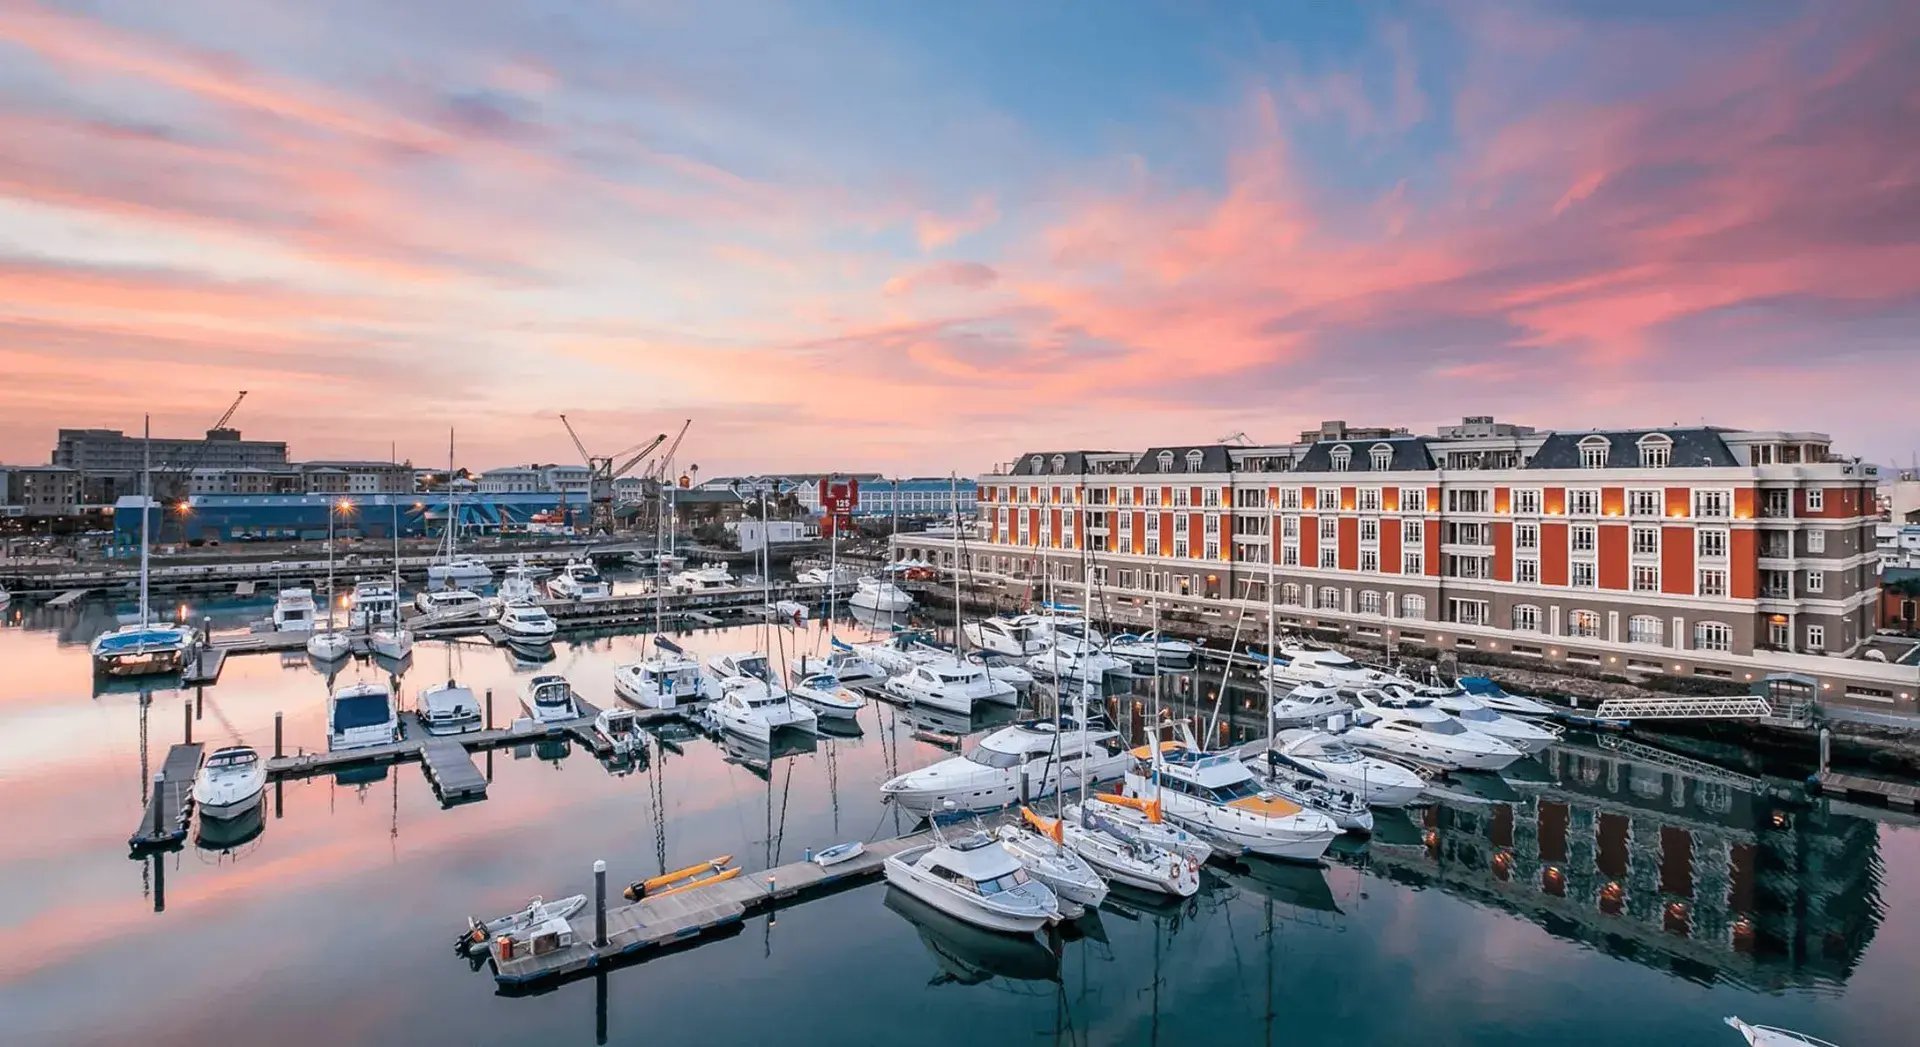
{"x": 921, "y": 237}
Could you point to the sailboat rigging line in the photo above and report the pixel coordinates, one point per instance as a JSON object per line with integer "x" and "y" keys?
{"x": 1220, "y": 696}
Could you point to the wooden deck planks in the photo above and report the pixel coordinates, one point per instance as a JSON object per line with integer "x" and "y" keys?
{"x": 171, "y": 800}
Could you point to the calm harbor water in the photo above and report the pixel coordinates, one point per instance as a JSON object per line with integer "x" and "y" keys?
{"x": 1606, "y": 894}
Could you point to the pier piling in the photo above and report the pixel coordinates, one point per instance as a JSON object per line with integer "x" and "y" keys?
{"x": 279, "y": 728}
{"x": 159, "y": 783}
{"x": 489, "y": 708}
{"x": 187, "y": 719}
{"x": 600, "y": 903}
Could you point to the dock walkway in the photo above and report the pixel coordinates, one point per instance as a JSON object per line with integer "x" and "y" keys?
{"x": 652, "y": 923}
{"x": 170, "y": 804}
{"x": 1896, "y": 794}
{"x": 450, "y": 769}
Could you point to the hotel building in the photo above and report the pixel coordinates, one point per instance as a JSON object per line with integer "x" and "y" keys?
{"x": 1682, "y": 551}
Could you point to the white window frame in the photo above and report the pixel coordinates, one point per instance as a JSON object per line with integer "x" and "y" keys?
{"x": 1816, "y": 499}
{"x": 1526, "y": 501}
{"x": 1638, "y": 631}
{"x": 1656, "y": 451}
{"x": 1381, "y": 456}
{"x": 1816, "y": 541}
{"x": 1526, "y": 571}
{"x": 1816, "y": 581}
{"x": 1645, "y": 501}
{"x": 1816, "y": 637}
{"x": 1583, "y": 569}
{"x": 1712, "y": 636}
{"x": 1710, "y": 581}
{"x": 1591, "y": 620}
{"x": 1594, "y": 451}
{"x": 1413, "y": 499}
{"x": 1646, "y": 578}
{"x": 1526, "y": 618}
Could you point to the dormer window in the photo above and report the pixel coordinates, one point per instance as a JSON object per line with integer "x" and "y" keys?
{"x": 1059, "y": 463}
{"x": 1341, "y": 456}
{"x": 1038, "y": 463}
{"x": 1382, "y": 455}
{"x": 1593, "y": 452}
{"x": 1656, "y": 451}
{"x": 1165, "y": 458}
{"x": 1194, "y": 459}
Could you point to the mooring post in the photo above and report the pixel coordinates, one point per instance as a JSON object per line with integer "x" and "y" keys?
{"x": 489, "y": 708}
{"x": 1826, "y": 744}
{"x": 159, "y": 802}
{"x": 187, "y": 718}
{"x": 600, "y": 902}
{"x": 279, "y": 731}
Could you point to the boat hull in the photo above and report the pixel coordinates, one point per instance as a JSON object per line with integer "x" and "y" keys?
{"x": 926, "y": 889}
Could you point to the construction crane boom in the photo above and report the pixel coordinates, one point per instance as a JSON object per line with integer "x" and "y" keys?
{"x": 584, "y": 456}
{"x": 602, "y": 472}
{"x": 623, "y": 469}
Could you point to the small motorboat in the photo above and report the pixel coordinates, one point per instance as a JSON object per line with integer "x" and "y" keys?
{"x": 955, "y": 686}
{"x": 449, "y": 708}
{"x": 1152, "y": 647}
{"x": 713, "y": 870}
{"x": 1347, "y": 808}
{"x": 1499, "y": 699}
{"x": 707, "y": 577}
{"x": 361, "y": 716}
{"x": 549, "y": 699}
{"x": 876, "y": 594}
{"x": 230, "y": 783}
{"x": 846, "y": 665}
{"x": 1773, "y": 1036}
{"x": 823, "y": 694}
{"x": 538, "y": 913}
{"x": 293, "y": 611}
{"x": 372, "y": 604}
{"x": 621, "y": 730}
{"x": 1309, "y": 703}
{"x": 1382, "y": 783}
{"x": 460, "y": 570}
{"x": 578, "y": 580}
{"x": 668, "y": 680}
{"x": 839, "y": 852}
{"x": 1144, "y": 820}
{"x": 437, "y": 601}
{"x": 1040, "y": 847}
{"x": 527, "y": 622}
{"x": 975, "y": 880}
{"x": 1016, "y": 637}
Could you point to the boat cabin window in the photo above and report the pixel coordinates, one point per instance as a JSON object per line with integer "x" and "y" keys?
{"x": 1443, "y": 726}
{"x": 362, "y": 710}
{"x": 1479, "y": 715}
{"x": 1003, "y": 883}
{"x": 241, "y": 758}
{"x": 986, "y": 757}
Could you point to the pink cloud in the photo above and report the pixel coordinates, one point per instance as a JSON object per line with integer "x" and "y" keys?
{"x": 966, "y": 276}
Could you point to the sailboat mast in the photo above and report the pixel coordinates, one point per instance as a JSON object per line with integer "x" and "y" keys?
{"x": 953, "y": 482}
{"x": 453, "y": 515}
{"x": 833, "y": 563}
{"x": 1086, "y": 566}
{"x": 146, "y": 507}
{"x": 1268, "y": 671}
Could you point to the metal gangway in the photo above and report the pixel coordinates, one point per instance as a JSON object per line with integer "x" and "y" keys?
{"x": 1743, "y": 707}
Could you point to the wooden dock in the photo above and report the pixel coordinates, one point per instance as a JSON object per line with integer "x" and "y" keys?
{"x": 205, "y": 666}
{"x": 636, "y": 928}
{"x": 170, "y": 803}
{"x": 68, "y": 598}
{"x": 1896, "y": 794}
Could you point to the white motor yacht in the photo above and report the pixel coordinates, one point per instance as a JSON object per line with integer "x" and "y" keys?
{"x": 1295, "y": 664}
{"x": 459, "y": 572}
{"x": 1129, "y": 858}
{"x": 1329, "y": 757}
{"x": 876, "y": 594}
{"x": 518, "y": 583}
{"x": 825, "y": 576}
{"x": 1072, "y": 657}
{"x": 951, "y": 684}
{"x": 373, "y": 604}
{"x": 974, "y": 879}
{"x": 1151, "y": 648}
{"x": 1144, "y": 820}
{"x": 621, "y": 729}
{"x": 578, "y": 580}
{"x": 1076, "y": 886}
{"x": 1413, "y": 729}
{"x": 843, "y": 662}
{"x": 294, "y": 611}
{"x": 360, "y": 716}
{"x": 527, "y": 622}
{"x": 1501, "y": 700}
{"x": 435, "y": 601}
{"x": 704, "y": 578}
{"x": 1528, "y": 736}
{"x": 749, "y": 707}
{"x": 1015, "y": 636}
{"x": 1214, "y": 794}
{"x": 823, "y": 693}
{"x": 449, "y": 708}
{"x": 230, "y": 783}
{"x": 1348, "y": 809}
{"x": 667, "y": 680}
{"x": 1020, "y": 762}
{"x": 1309, "y": 703}
{"x": 548, "y": 698}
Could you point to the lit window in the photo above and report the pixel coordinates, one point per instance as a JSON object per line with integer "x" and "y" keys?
{"x": 1583, "y": 624}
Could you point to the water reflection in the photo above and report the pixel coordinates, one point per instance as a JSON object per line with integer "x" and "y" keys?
{"x": 966, "y": 955}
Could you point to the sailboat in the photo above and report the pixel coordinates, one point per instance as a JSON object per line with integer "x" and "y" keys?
{"x": 456, "y": 571}
{"x": 330, "y": 644}
{"x": 392, "y": 640}
{"x": 140, "y": 648}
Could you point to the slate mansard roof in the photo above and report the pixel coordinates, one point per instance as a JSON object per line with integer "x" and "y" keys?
{"x": 1408, "y": 454}
{"x": 1695, "y": 448}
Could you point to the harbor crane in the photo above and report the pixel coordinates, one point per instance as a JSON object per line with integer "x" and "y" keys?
{"x": 602, "y": 471}
{"x": 179, "y": 484}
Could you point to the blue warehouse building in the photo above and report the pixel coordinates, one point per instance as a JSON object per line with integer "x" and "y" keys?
{"x": 288, "y": 517}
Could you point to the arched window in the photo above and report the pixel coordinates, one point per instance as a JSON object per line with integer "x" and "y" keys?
{"x": 1382, "y": 455}
{"x": 1329, "y": 598}
{"x": 1583, "y": 623}
{"x": 1165, "y": 458}
{"x": 1644, "y": 628}
{"x": 1712, "y": 636}
{"x": 1059, "y": 463}
{"x": 1593, "y": 452}
{"x": 1526, "y": 618}
{"x": 1290, "y": 594}
{"x": 1413, "y": 605}
{"x": 1194, "y": 458}
{"x": 1369, "y": 601}
{"x": 1656, "y": 450}
{"x": 1342, "y": 457}
{"x": 1038, "y": 463}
